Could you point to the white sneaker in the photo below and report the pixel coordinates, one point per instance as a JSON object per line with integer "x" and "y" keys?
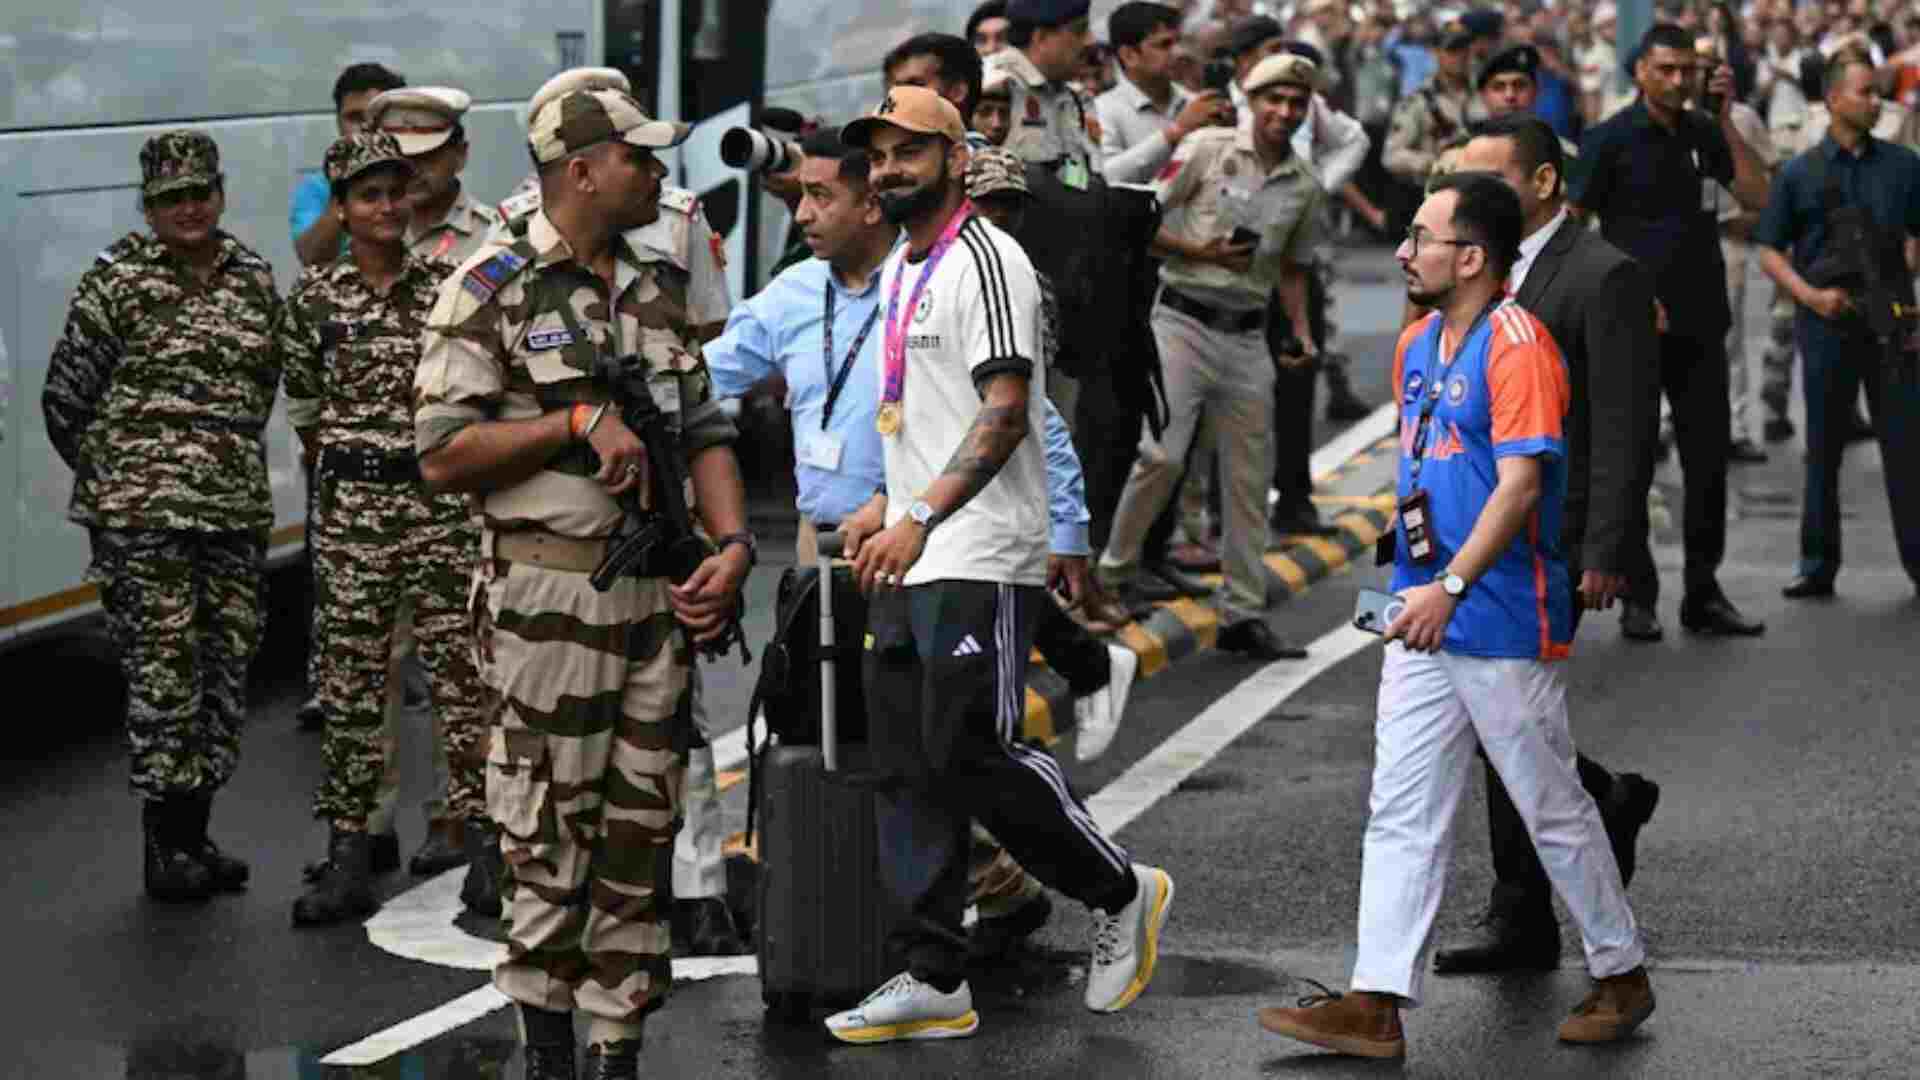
{"x": 1097, "y": 716}
{"x": 1127, "y": 942}
{"x": 906, "y": 1008}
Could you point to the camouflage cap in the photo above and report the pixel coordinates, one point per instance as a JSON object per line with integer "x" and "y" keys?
{"x": 581, "y": 118}
{"x": 580, "y": 78}
{"x": 351, "y": 155}
{"x": 422, "y": 118}
{"x": 178, "y": 159}
{"x": 995, "y": 171}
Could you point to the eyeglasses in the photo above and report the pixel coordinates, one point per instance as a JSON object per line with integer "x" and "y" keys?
{"x": 1417, "y": 236}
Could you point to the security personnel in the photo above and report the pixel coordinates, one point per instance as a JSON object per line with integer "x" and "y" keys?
{"x": 1862, "y": 174}
{"x": 582, "y": 775}
{"x": 447, "y": 224}
{"x": 350, "y": 339}
{"x": 1054, "y": 124}
{"x": 703, "y": 924}
{"x": 1430, "y": 118}
{"x": 1509, "y": 82}
{"x": 156, "y": 397}
{"x": 1209, "y": 324}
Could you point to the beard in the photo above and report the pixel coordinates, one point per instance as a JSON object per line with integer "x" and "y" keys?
{"x": 902, "y": 205}
{"x": 1427, "y": 296}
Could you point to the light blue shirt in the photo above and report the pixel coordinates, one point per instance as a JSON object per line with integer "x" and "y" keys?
{"x": 781, "y": 330}
{"x": 310, "y": 198}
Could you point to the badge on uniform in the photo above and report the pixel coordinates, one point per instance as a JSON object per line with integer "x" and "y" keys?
{"x": 541, "y": 340}
{"x": 1418, "y": 527}
{"x": 484, "y": 280}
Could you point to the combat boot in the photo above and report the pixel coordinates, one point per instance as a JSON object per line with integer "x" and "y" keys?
{"x": 224, "y": 872}
{"x": 344, "y": 890}
{"x": 443, "y": 849}
{"x": 172, "y": 872}
{"x": 615, "y": 1060}
{"x": 486, "y": 869}
{"x": 548, "y": 1039}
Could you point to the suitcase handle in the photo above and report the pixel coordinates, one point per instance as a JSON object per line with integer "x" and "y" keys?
{"x": 831, "y": 545}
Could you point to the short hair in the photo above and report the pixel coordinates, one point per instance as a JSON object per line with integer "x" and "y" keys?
{"x": 854, "y": 161}
{"x": 1663, "y": 35}
{"x": 1839, "y": 62}
{"x": 1132, "y": 23}
{"x": 1534, "y": 142}
{"x": 991, "y": 9}
{"x": 1487, "y": 213}
{"x": 359, "y": 78}
{"x": 957, "y": 61}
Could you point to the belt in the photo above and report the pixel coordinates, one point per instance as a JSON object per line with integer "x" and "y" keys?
{"x": 1214, "y": 318}
{"x": 551, "y": 551}
{"x": 369, "y": 466}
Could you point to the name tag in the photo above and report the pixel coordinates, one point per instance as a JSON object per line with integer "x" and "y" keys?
{"x": 549, "y": 339}
{"x": 820, "y": 450}
{"x": 1075, "y": 175}
{"x": 666, "y": 393}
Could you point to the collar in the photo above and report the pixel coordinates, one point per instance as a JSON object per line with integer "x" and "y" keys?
{"x": 1020, "y": 67}
{"x": 1243, "y": 143}
{"x": 1833, "y": 151}
{"x": 550, "y": 247}
{"x": 1135, "y": 99}
{"x": 459, "y": 217}
{"x": 157, "y": 250}
{"x": 873, "y": 278}
{"x": 1537, "y": 241}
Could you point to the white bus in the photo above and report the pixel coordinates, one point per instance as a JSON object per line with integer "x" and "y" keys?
{"x": 84, "y": 83}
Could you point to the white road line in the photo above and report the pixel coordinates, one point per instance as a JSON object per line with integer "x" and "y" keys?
{"x": 462, "y": 1010}
{"x": 1375, "y": 427}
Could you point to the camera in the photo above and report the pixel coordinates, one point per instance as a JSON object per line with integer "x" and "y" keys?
{"x": 1217, "y": 75}
{"x": 767, "y": 149}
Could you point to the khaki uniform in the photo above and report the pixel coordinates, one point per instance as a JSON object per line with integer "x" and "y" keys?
{"x": 1215, "y": 184}
{"x": 1449, "y": 160}
{"x": 1423, "y": 124}
{"x": 582, "y": 777}
{"x": 452, "y": 239}
{"x": 1749, "y": 370}
{"x": 1053, "y": 124}
{"x": 380, "y": 543}
{"x": 156, "y": 397}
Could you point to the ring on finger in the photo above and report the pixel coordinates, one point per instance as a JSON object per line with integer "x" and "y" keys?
{"x": 633, "y": 470}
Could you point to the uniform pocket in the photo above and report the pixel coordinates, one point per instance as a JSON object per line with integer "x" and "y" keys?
{"x": 517, "y": 780}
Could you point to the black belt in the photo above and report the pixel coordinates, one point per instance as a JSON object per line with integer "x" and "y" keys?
{"x": 369, "y": 466}
{"x": 1214, "y": 318}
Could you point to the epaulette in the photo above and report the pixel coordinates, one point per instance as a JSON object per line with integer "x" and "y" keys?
{"x": 487, "y": 277}
{"x": 517, "y": 206}
{"x": 106, "y": 257}
{"x": 679, "y": 200}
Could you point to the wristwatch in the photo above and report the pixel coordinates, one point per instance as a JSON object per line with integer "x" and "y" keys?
{"x": 745, "y": 539}
{"x": 922, "y": 514}
{"x": 1454, "y": 585}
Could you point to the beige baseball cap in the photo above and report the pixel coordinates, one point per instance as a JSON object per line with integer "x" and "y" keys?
{"x": 909, "y": 108}
{"x": 1283, "y": 68}
{"x": 580, "y": 78}
{"x": 581, "y": 118}
{"x": 420, "y": 118}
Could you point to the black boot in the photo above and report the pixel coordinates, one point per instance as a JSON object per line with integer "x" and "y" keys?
{"x": 486, "y": 869}
{"x": 172, "y": 872}
{"x": 548, "y": 1038}
{"x": 344, "y": 890}
{"x": 444, "y": 849}
{"x": 616, "y": 1060}
{"x": 705, "y": 927}
{"x": 224, "y": 872}
{"x": 1343, "y": 405}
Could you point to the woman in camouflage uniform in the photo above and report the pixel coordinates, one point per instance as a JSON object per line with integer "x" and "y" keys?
{"x": 350, "y": 339}
{"x": 156, "y": 397}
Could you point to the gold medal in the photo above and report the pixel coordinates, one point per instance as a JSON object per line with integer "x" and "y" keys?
{"x": 887, "y": 420}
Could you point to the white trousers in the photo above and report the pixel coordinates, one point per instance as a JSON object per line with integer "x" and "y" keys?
{"x": 1744, "y": 374}
{"x": 699, "y": 868}
{"x": 1434, "y": 708}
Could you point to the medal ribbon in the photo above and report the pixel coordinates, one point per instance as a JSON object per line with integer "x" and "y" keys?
{"x": 894, "y": 372}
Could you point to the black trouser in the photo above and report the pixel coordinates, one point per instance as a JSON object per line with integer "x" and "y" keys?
{"x": 1069, "y": 649}
{"x": 1520, "y": 884}
{"x": 1693, "y": 375}
{"x": 1293, "y": 400}
{"x": 946, "y": 693}
{"x": 1106, "y": 434}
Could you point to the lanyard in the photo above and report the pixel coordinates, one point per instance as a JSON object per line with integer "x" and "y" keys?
{"x": 894, "y": 374}
{"x": 835, "y": 383}
{"x": 1437, "y": 385}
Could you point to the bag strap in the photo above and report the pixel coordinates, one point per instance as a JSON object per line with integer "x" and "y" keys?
{"x": 758, "y": 700}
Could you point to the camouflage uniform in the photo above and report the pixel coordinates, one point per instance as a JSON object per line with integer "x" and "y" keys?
{"x": 156, "y": 397}
{"x": 351, "y": 355}
{"x": 582, "y": 776}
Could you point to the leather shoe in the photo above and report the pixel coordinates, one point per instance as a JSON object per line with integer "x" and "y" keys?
{"x": 1628, "y": 806}
{"x": 1194, "y": 558}
{"x": 1714, "y": 614}
{"x": 1639, "y": 622}
{"x": 1744, "y": 452}
{"x": 1183, "y": 583}
{"x": 1144, "y": 588}
{"x": 1503, "y": 941}
{"x": 1254, "y": 639}
{"x": 1297, "y": 519}
{"x": 1808, "y": 587}
{"x": 1612, "y": 1010}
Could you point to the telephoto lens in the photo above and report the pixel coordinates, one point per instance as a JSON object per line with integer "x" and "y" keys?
{"x": 756, "y": 151}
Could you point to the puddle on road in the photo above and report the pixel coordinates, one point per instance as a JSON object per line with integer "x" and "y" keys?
{"x": 476, "y": 1058}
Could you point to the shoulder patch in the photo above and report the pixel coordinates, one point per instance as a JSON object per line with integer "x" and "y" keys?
{"x": 486, "y": 213}
{"x": 485, "y": 279}
{"x": 106, "y": 257}
{"x": 514, "y": 206}
{"x": 679, "y": 200}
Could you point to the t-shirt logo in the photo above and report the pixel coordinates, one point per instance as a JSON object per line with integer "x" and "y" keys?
{"x": 1415, "y": 382}
{"x": 1457, "y": 389}
{"x": 925, "y": 310}
{"x": 886, "y": 106}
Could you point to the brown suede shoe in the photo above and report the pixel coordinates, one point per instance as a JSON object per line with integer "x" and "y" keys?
{"x": 1360, "y": 1024}
{"x": 1616, "y": 1005}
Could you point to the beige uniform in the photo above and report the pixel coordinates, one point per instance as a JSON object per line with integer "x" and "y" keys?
{"x": 1423, "y": 124}
{"x": 453, "y": 238}
{"x": 1052, "y": 124}
{"x": 582, "y": 777}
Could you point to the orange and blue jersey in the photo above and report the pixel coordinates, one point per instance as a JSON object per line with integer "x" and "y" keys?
{"x": 1504, "y": 395}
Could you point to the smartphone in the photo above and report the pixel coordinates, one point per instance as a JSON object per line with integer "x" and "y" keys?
{"x": 1374, "y": 611}
{"x": 1243, "y": 236}
{"x": 1217, "y": 76}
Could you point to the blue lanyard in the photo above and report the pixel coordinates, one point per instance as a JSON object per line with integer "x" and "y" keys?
{"x": 1437, "y": 386}
{"x": 835, "y": 383}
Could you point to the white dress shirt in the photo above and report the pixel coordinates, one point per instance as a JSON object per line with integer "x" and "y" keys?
{"x": 1133, "y": 139}
{"x": 1530, "y": 249}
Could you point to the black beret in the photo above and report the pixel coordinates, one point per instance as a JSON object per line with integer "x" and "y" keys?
{"x": 1047, "y": 12}
{"x": 1482, "y": 22}
{"x": 1250, "y": 33}
{"x": 1301, "y": 48}
{"x": 1524, "y": 59}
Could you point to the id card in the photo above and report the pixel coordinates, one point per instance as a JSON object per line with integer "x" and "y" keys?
{"x": 1074, "y": 174}
{"x": 1414, "y": 520}
{"x": 820, "y": 450}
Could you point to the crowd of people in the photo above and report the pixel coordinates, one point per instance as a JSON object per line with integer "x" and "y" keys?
{"x": 1009, "y": 446}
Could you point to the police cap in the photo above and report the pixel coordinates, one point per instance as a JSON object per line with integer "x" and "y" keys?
{"x": 422, "y": 118}
{"x": 1524, "y": 59}
{"x": 1047, "y": 12}
{"x": 1250, "y": 33}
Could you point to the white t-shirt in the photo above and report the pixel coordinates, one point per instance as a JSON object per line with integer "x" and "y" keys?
{"x": 978, "y": 316}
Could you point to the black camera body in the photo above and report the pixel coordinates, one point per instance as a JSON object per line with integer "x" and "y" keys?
{"x": 1217, "y": 75}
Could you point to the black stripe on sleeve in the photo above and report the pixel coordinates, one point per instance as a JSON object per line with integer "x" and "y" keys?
{"x": 1001, "y": 339}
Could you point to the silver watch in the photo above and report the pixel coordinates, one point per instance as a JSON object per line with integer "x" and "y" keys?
{"x": 922, "y": 514}
{"x": 1454, "y": 585}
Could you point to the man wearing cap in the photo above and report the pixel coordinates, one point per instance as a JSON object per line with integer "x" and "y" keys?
{"x": 957, "y": 578}
{"x": 1054, "y": 125}
{"x": 156, "y": 397}
{"x": 583, "y": 778}
{"x": 1508, "y": 83}
{"x": 1210, "y": 321}
{"x": 1428, "y": 119}
{"x": 384, "y": 549}
{"x": 447, "y": 224}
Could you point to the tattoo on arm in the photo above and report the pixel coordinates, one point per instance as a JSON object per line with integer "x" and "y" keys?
{"x": 988, "y": 444}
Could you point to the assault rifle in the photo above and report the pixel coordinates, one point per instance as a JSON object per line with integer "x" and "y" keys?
{"x": 1871, "y": 268}
{"x": 658, "y": 542}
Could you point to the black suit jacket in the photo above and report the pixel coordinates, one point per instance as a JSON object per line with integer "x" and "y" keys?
{"x": 1598, "y": 304}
